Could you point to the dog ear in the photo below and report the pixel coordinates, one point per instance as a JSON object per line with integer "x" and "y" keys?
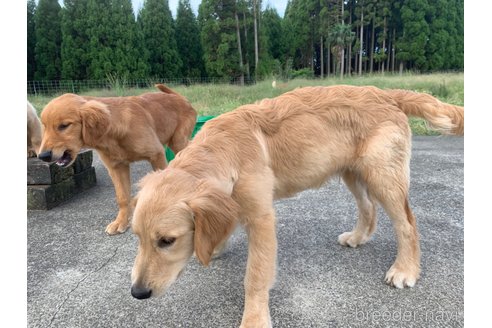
{"x": 215, "y": 217}
{"x": 95, "y": 121}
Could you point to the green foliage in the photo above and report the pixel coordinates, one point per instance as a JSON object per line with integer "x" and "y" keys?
{"x": 31, "y": 39}
{"x": 272, "y": 24}
{"x": 48, "y": 40}
{"x": 75, "y": 40}
{"x": 159, "y": 39}
{"x": 219, "y": 37}
{"x": 188, "y": 41}
{"x": 93, "y": 38}
{"x": 411, "y": 45}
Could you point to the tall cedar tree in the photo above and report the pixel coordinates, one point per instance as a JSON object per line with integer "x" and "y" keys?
{"x": 127, "y": 41}
{"x": 415, "y": 34}
{"x": 100, "y": 39}
{"x": 75, "y": 40}
{"x": 300, "y": 25}
{"x": 31, "y": 39}
{"x": 159, "y": 40}
{"x": 272, "y": 25}
{"x": 48, "y": 40}
{"x": 219, "y": 38}
{"x": 188, "y": 41}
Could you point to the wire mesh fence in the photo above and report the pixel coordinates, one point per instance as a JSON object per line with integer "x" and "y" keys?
{"x": 76, "y": 86}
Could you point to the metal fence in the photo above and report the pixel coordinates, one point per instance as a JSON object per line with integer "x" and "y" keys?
{"x": 76, "y": 86}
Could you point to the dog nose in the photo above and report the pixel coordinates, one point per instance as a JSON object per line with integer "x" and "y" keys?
{"x": 45, "y": 156}
{"x": 140, "y": 292}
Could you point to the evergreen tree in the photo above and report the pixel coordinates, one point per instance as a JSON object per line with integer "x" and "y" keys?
{"x": 48, "y": 40}
{"x": 75, "y": 40}
{"x": 99, "y": 29}
{"x": 457, "y": 40}
{"x": 158, "y": 32}
{"x": 127, "y": 45}
{"x": 415, "y": 34}
{"x": 31, "y": 39}
{"x": 301, "y": 25}
{"x": 437, "y": 46}
{"x": 272, "y": 25}
{"x": 219, "y": 38}
{"x": 188, "y": 41}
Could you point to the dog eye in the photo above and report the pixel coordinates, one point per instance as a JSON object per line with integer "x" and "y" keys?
{"x": 62, "y": 126}
{"x": 166, "y": 242}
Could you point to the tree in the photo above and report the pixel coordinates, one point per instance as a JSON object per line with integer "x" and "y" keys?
{"x": 126, "y": 42}
{"x": 48, "y": 40}
{"x": 272, "y": 25}
{"x": 31, "y": 39}
{"x": 75, "y": 40}
{"x": 159, "y": 39}
{"x": 340, "y": 36}
{"x": 415, "y": 34}
{"x": 188, "y": 41}
{"x": 219, "y": 38}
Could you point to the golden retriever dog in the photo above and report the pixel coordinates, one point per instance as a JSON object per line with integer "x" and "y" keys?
{"x": 122, "y": 130}
{"x": 34, "y": 131}
{"x": 241, "y": 161}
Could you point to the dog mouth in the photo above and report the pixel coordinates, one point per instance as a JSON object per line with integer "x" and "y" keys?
{"x": 65, "y": 160}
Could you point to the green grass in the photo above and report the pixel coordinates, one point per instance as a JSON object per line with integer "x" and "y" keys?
{"x": 209, "y": 99}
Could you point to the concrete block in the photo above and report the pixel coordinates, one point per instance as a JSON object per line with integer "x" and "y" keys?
{"x": 45, "y": 197}
{"x": 43, "y": 173}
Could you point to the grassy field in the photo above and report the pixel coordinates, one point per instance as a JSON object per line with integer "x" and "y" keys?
{"x": 209, "y": 99}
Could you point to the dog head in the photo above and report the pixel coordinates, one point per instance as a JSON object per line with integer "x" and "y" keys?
{"x": 176, "y": 215}
{"x": 70, "y": 123}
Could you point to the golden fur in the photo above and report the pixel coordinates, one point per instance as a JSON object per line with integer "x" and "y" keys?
{"x": 34, "y": 131}
{"x": 122, "y": 130}
{"x": 243, "y": 160}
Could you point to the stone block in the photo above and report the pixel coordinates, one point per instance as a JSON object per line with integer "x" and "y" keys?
{"x": 84, "y": 180}
{"x": 43, "y": 173}
{"x": 48, "y": 185}
{"x": 83, "y": 161}
{"x": 45, "y": 197}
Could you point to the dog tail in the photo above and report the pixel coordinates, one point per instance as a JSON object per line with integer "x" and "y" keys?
{"x": 442, "y": 117}
{"x": 165, "y": 89}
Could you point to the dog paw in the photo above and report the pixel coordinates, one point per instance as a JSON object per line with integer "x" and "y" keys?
{"x": 351, "y": 239}
{"x": 116, "y": 227}
{"x": 401, "y": 278}
{"x": 256, "y": 324}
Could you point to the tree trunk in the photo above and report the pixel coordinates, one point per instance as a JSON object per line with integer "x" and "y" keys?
{"x": 361, "y": 39}
{"x": 246, "y": 47}
{"x": 342, "y": 56}
{"x": 321, "y": 57}
{"x": 241, "y": 68}
{"x": 349, "y": 55}
{"x": 328, "y": 60}
{"x": 393, "y": 51}
{"x": 255, "y": 3}
{"x": 371, "y": 67}
{"x": 384, "y": 45}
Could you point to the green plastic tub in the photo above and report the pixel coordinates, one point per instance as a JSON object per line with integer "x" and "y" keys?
{"x": 199, "y": 123}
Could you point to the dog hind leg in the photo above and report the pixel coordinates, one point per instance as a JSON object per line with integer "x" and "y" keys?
{"x": 366, "y": 222}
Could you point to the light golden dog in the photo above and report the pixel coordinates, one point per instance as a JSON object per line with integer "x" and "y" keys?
{"x": 34, "y": 131}
{"x": 243, "y": 160}
{"x": 122, "y": 130}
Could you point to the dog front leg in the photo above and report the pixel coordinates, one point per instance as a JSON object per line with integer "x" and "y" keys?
{"x": 260, "y": 271}
{"x": 120, "y": 174}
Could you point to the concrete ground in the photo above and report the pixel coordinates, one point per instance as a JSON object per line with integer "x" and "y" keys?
{"x": 77, "y": 276}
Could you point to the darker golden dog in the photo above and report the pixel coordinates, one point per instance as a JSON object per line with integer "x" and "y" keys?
{"x": 243, "y": 160}
{"x": 122, "y": 130}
